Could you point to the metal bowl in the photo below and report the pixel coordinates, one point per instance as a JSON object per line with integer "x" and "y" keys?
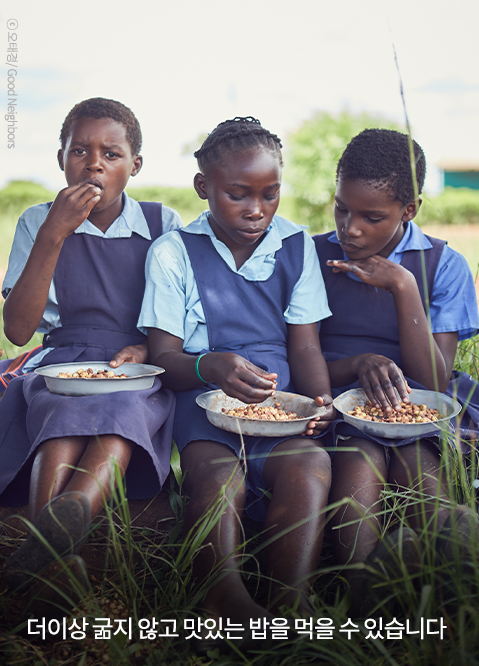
{"x": 140, "y": 376}
{"x": 214, "y": 402}
{"x": 350, "y": 399}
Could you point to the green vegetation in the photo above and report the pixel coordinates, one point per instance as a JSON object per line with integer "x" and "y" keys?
{"x": 149, "y": 576}
{"x": 183, "y": 199}
{"x": 148, "y": 570}
{"x": 311, "y": 156}
{"x": 455, "y": 205}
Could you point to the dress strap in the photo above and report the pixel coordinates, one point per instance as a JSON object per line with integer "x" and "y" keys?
{"x": 412, "y": 260}
{"x": 152, "y": 210}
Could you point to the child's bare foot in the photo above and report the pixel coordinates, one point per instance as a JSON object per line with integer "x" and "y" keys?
{"x": 458, "y": 538}
{"x": 297, "y": 600}
{"x": 232, "y": 603}
{"x": 58, "y": 588}
{"x": 63, "y": 525}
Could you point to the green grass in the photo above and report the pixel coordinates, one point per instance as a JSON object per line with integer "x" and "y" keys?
{"x": 150, "y": 576}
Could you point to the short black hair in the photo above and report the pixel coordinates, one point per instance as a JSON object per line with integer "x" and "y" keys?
{"x": 381, "y": 157}
{"x": 236, "y": 135}
{"x": 99, "y": 107}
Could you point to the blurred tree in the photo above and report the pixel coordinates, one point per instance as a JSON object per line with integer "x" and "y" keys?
{"x": 311, "y": 156}
{"x": 187, "y": 149}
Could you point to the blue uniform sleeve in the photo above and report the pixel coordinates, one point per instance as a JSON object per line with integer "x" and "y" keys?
{"x": 309, "y": 302}
{"x": 21, "y": 247}
{"x": 165, "y": 299}
{"x": 170, "y": 219}
{"x": 25, "y": 233}
{"x": 453, "y": 299}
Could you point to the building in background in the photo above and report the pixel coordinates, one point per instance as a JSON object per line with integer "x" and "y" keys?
{"x": 460, "y": 173}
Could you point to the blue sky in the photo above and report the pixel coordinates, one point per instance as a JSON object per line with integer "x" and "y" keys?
{"x": 184, "y": 66}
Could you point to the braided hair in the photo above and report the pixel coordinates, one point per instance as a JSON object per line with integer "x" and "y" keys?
{"x": 99, "y": 107}
{"x": 381, "y": 157}
{"x": 236, "y": 135}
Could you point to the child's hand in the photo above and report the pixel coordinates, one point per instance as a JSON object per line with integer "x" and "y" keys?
{"x": 71, "y": 208}
{"x": 130, "y": 354}
{"x": 379, "y": 376}
{"x": 376, "y": 271}
{"x": 238, "y": 377}
{"x": 319, "y": 423}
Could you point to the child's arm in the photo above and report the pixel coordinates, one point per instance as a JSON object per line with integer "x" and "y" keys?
{"x": 25, "y": 304}
{"x": 309, "y": 370}
{"x": 235, "y": 375}
{"x": 425, "y": 356}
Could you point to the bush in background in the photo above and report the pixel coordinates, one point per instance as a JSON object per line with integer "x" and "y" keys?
{"x": 182, "y": 199}
{"x": 19, "y": 195}
{"x": 455, "y": 205}
{"x": 311, "y": 156}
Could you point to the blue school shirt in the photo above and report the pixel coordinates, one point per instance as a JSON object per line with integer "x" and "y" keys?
{"x": 453, "y": 302}
{"x": 131, "y": 220}
{"x": 172, "y": 302}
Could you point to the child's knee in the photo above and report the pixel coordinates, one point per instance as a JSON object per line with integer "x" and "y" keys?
{"x": 310, "y": 464}
{"x": 209, "y": 469}
{"x": 365, "y": 452}
{"x": 318, "y": 466}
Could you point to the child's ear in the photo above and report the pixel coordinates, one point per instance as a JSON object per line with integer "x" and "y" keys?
{"x": 60, "y": 159}
{"x": 411, "y": 210}
{"x": 137, "y": 164}
{"x": 200, "y": 185}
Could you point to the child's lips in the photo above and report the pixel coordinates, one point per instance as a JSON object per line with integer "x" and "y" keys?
{"x": 251, "y": 233}
{"x": 95, "y": 182}
{"x": 349, "y": 246}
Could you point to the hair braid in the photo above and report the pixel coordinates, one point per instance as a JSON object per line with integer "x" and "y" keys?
{"x": 236, "y": 135}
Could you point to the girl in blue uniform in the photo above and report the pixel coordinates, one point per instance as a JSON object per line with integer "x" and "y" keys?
{"x": 379, "y": 336}
{"x": 76, "y": 273}
{"x": 229, "y": 303}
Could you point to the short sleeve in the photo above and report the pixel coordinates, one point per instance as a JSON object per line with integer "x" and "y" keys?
{"x": 309, "y": 302}
{"x": 25, "y": 233}
{"x": 453, "y": 299}
{"x": 170, "y": 219}
{"x": 165, "y": 300}
{"x": 21, "y": 247}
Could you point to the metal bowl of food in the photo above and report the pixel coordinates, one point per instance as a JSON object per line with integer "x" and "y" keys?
{"x": 447, "y": 407}
{"x": 216, "y": 403}
{"x": 139, "y": 376}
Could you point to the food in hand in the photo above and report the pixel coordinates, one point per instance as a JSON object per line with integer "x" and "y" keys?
{"x": 90, "y": 374}
{"x": 408, "y": 413}
{"x": 262, "y": 413}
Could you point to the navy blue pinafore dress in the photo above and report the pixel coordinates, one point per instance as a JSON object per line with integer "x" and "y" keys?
{"x": 246, "y": 318}
{"x": 364, "y": 321}
{"x": 99, "y": 284}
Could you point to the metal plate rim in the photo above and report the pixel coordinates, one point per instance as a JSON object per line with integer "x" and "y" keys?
{"x": 78, "y": 386}
{"x": 398, "y": 430}
{"x": 257, "y": 428}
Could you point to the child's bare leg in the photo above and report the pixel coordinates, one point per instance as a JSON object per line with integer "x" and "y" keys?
{"x": 76, "y": 496}
{"x": 205, "y": 479}
{"x": 98, "y": 462}
{"x": 418, "y": 466}
{"x": 52, "y": 472}
{"x": 300, "y": 483}
{"x": 358, "y": 476}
